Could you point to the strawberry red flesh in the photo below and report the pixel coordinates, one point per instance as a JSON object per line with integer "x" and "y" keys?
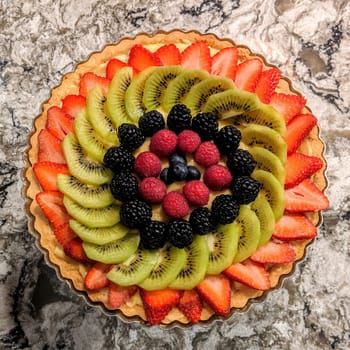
{"x": 197, "y": 56}
{"x": 113, "y": 66}
{"x": 64, "y": 233}
{"x": 274, "y": 253}
{"x": 168, "y": 55}
{"x": 73, "y": 104}
{"x": 267, "y": 84}
{"x": 224, "y": 63}
{"x": 118, "y": 295}
{"x": 46, "y": 173}
{"x": 247, "y": 74}
{"x": 190, "y": 305}
{"x": 90, "y": 80}
{"x": 58, "y": 122}
{"x": 141, "y": 58}
{"x": 74, "y": 249}
{"x": 49, "y": 148}
{"x": 96, "y": 278}
{"x": 294, "y": 227}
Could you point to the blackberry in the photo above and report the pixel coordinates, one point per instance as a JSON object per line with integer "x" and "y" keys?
{"x": 130, "y": 136}
{"x": 224, "y": 209}
{"x": 135, "y": 213}
{"x": 205, "y": 125}
{"x": 227, "y": 139}
{"x": 153, "y": 234}
{"x": 241, "y": 163}
{"x": 180, "y": 233}
{"x": 244, "y": 189}
{"x": 124, "y": 187}
{"x": 119, "y": 159}
{"x": 179, "y": 118}
{"x": 151, "y": 122}
{"x": 202, "y": 221}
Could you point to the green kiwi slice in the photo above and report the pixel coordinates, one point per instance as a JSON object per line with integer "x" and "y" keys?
{"x": 230, "y": 103}
{"x": 268, "y": 161}
{"x": 249, "y": 233}
{"x": 116, "y": 96}
{"x": 170, "y": 262}
{"x": 98, "y": 116}
{"x": 98, "y": 235}
{"x": 134, "y": 94}
{"x": 88, "y": 196}
{"x": 264, "y": 115}
{"x": 88, "y": 139}
{"x": 84, "y": 168}
{"x": 272, "y": 190}
{"x": 114, "y": 252}
{"x": 97, "y": 217}
{"x": 156, "y": 85}
{"x": 263, "y": 136}
{"x": 134, "y": 269}
{"x": 264, "y": 212}
{"x": 178, "y": 88}
{"x": 222, "y": 247}
{"x": 195, "y": 266}
{"x": 201, "y": 92}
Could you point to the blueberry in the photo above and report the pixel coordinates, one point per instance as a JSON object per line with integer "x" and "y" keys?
{"x": 179, "y": 171}
{"x": 193, "y": 173}
{"x": 176, "y": 158}
{"x": 166, "y": 177}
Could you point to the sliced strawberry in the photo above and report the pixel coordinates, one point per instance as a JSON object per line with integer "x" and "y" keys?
{"x": 168, "y": 55}
{"x": 190, "y": 305}
{"x": 267, "y": 84}
{"x": 90, "y": 80}
{"x": 297, "y": 130}
{"x": 74, "y": 249}
{"x": 248, "y": 73}
{"x": 46, "y": 173}
{"x": 274, "y": 253}
{"x": 249, "y": 273}
{"x": 215, "y": 290}
{"x": 299, "y": 167}
{"x": 288, "y": 105}
{"x": 305, "y": 197}
{"x": 224, "y": 63}
{"x": 158, "y": 303}
{"x": 64, "y": 233}
{"x": 73, "y": 104}
{"x": 141, "y": 58}
{"x": 293, "y": 227}
{"x": 118, "y": 295}
{"x": 51, "y": 203}
{"x": 196, "y": 56}
{"x": 96, "y": 278}
{"x": 113, "y": 66}
{"x": 50, "y": 148}
{"x": 58, "y": 122}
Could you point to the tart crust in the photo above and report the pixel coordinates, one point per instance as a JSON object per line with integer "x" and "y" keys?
{"x": 73, "y": 271}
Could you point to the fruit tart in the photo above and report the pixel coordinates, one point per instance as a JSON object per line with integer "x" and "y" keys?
{"x": 175, "y": 178}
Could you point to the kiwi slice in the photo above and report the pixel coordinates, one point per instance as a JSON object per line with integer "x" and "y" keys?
{"x": 170, "y": 262}
{"x": 264, "y": 212}
{"x": 195, "y": 266}
{"x": 98, "y": 235}
{"x": 222, "y": 247}
{"x": 98, "y": 116}
{"x": 88, "y": 139}
{"x": 201, "y": 92}
{"x": 134, "y": 94}
{"x": 178, "y": 88}
{"x": 156, "y": 85}
{"x": 134, "y": 269}
{"x": 81, "y": 166}
{"x": 231, "y": 103}
{"x": 248, "y": 232}
{"x": 268, "y": 161}
{"x": 114, "y": 252}
{"x": 98, "y": 217}
{"x": 263, "y": 136}
{"x": 116, "y": 96}
{"x": 272, "y": 190}
{"x": 88, "y": 196}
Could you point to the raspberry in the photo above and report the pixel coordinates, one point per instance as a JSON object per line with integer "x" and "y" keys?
{"x": 217, "y": 177}
{"x": 163, "y": 142}
{"x": 152, "y": 190}
{"x": 180, "y": 233}
{"x": 175, "y": 205}
{"x": 196, "y": 192}
{"x": 188, "y": 141}
{"x": 207, "y": 154}
{"x": 147, "y": 164}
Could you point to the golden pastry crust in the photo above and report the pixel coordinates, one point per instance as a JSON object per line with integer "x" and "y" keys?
{"x": 73, "y": 271}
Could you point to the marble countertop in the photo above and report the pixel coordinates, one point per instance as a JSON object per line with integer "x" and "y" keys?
{"x": 42, "y": 40}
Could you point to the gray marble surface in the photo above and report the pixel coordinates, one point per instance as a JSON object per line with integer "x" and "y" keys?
{"x": 41, "y": 40}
